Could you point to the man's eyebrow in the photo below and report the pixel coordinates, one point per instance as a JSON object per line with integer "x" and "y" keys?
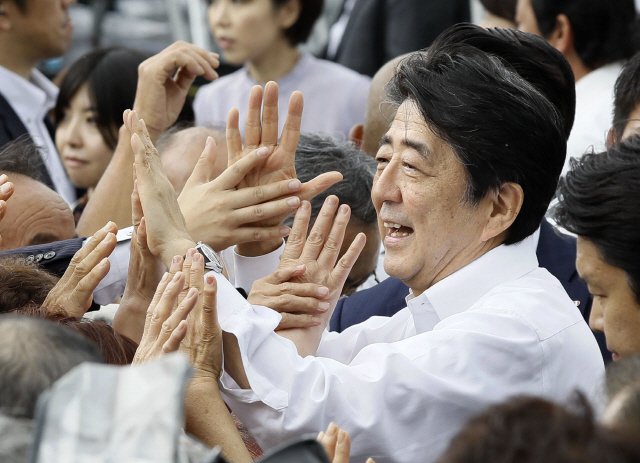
{"x": 421, "y": 148}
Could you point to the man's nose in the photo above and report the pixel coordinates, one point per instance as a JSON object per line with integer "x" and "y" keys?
{"x": 596, "y": 317}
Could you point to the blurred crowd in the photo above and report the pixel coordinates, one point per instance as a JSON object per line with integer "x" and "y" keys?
{"x": 419, "y": 243}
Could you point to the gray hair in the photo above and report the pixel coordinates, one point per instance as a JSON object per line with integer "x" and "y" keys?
{"x": 317, "y": 154}
{"x": 34, "y": 354}
{"x": 21, "y": 156}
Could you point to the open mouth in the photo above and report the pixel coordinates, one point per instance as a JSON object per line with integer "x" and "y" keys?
{"x": 397, "y": 230}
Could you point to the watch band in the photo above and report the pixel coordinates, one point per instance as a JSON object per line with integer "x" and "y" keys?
{"x": 212, "y": 261}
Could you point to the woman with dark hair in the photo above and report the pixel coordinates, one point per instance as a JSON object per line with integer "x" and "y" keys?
{"x": 264, "y": 35}
{"x": 94, "y": 93}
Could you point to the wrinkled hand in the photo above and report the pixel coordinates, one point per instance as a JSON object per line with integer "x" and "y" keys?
{"x": 145, "y": 271}
{"x": 203, "y": 343}
{"x": 164, "y": 327}
{"x": 167, "y": 234}
{"x": 300, "y": 304}
{"x": 6, "y": 190}
{"x": 319, "y": 251}
{"x": 164, "y": 81}
{"x": 73, "y": 294}
{"x": 220, "y": 215}
{"x": 280, "y": 164}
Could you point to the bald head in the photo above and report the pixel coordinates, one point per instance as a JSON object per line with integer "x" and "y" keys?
{"x": 35, "y": 215}
{"x": 379, "y": 111}
{"x": 180, "y": 151}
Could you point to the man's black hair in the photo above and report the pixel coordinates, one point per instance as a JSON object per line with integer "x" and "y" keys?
{"x": 598, "y": 201}
{"x": 604, "y": 31}
{"x": 498, "y": 125}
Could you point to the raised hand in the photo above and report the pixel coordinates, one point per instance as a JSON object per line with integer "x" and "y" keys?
{"x": 165, "y": 324}
{"x": 337, "y": 444}
{"x": 279, "y": 165}
{"x": 145, "y": 271}
{"x": 164, "y": 81}
{"x": 220, "y": 215}
{"x": 300, "y": 304}
{"x": 167, "y": 234}
{"x": 73, "y": 294}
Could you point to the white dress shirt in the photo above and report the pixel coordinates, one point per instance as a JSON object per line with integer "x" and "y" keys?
{"x": 594, "y": 112}
{"x": 31, "y": 100}
{"x": 402, "y": 386}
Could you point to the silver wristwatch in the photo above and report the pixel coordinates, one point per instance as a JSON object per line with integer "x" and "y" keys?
{"x": 212, "y": 260}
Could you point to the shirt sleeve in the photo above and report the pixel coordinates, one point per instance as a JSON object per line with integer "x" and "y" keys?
{"x": 112, "y": 286}
{"x": 249, "y": 269}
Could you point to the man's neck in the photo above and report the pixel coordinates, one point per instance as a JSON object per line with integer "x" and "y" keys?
{"x": 577, "y": 66}
{"x": 15, "y": 60}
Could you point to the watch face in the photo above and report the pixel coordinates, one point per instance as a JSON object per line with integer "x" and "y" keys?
{"x": 212, "y": 261}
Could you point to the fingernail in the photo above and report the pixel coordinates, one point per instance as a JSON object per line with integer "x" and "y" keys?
{"x": 331, "y": 200}
{"x": 344, "y": 209}
{"x": 342, "y": 436}
{"x": 316, "y": 320}
{"x": 3, "y": 178}
{"x": 322, "y": 291}
{"x": 107, "y": 226}
{"x": 332, "y": 428}
{"x": 196, "y": 257}
{"x": 208, "y": 143}
{"x": 104, "y": 262}
{"x": 177, "y": 276}
{"x": 177, "y": 259}
{"x": 209, "y": 279}
{"x": 293, "y": 201}
{"x": 191, "y": 252}
{"x": 299, "y": 268}
{"x": 6, "y": 188}
{"x": 192, "y": 293}
{"x": 164, "y": 277}
{"x": 284, "y": 231}
{"x": 305, "y": 205}
{"x": 294, "y": 185}
{"x": 262, "y": 152}
{"x": 323, "y": 306}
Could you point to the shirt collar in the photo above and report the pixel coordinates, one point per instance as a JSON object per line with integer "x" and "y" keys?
{"x": 460, "y": 290}
{"x": 31, "y": 98}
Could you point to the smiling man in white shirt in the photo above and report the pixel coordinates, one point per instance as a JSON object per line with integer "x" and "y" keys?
{"x": 466, "y": 172}
{"x": 31, "y": 31}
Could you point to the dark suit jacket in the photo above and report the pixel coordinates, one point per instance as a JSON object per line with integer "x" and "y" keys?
{"x": 555, "y": 253}
{"x": 11, "y": 127}
{"x": 380, "y": 30}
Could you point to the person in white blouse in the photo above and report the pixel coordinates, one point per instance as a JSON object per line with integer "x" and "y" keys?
{"x": 464, "y": 178}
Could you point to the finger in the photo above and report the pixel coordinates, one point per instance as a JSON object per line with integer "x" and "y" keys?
{"x": 331, "y": 249}
{"x": 298, "y": 234}
{"x": 270, "y": 115}
{"x": 3, "y": 208}
{"x": 176, "y": 265}
{"x": 259, "y": 194}
{"x": 330, "y": 440}
{"x": 322, "y": 182}
{"x": 267, "y": 210}
{"x": 291, "y": 130}
{"x": 175, "y": 339}
{"x": 6, "y": 187}
{"x": 320, "y": 231}
{"x": 178, "y": 315}
{"x": 196, "y": 275}
{"x": 141, "y": 236}
{"x": 292, "y": 303}
{"x": 255, "y": 234}
{"x": 84, "y": 289}
{"x": 252, "y": 127}
{"x": 348, "y": 260}
{"x": 236, "y": 172}
{"x": 298, "y": 321}
{"x": 343, "y": 447}
{"x": 209, "y": 315}
{"x": 285, "y": 274}
{"x": 204, "y": 169}
{"x": 166, "y": 278}
{"x": 233, "y": 137}
{"x": 165, "y": 305}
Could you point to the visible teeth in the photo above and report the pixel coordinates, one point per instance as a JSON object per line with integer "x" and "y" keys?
{"x": 398, "y": 234}
{"x": 392, "y": 225}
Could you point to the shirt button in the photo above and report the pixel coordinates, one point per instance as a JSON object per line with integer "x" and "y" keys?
{"x": 30, "y": 259}
{"x": 38, "y": 258}
{"x": 50, "y": 255}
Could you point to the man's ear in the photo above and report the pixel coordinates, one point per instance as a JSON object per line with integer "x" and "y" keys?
{"x": 356, "y": 135}
{"x": 289, "y": 13}
{"x": 504, "y": 208}
{"x": 561, "y": 37}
